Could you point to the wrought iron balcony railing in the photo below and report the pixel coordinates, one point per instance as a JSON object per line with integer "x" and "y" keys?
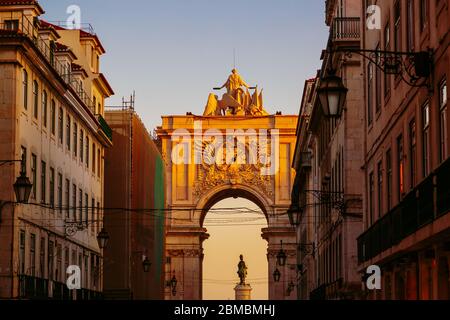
{"x": 33, "y": 288}
{"x": 23, "y": 27}
{"x": 417, "y": 209}
{"x": 346, "y": 29}
{"x": 105, "y": 127}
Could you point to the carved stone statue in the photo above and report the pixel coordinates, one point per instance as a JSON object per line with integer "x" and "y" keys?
{"x": 242, "y": 270}
{"x": 234, "y": 82}
{"x": 237, "y": 101}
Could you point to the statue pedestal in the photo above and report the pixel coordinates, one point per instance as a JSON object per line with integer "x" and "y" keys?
{"x": 243, "y": 292}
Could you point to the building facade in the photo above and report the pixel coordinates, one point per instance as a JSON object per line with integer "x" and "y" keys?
{"x": 51, "y": 114}
{"x": 134, "y": 183}
{"x": 327, "y": 194}
{"x": 406, "y": 161}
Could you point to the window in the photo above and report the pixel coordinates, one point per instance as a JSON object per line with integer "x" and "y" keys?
{"x": 387, "y": 47}
{"x": 24, "y": 159}
{"x": 92, "y": 270}
{"x": 412, "y": 152}
{"x": 371, "y": 191}
{"x": 43, "y": 182}
{"x": 67, "y": 195}
{"x": 52, "y": 187}
{"x": 74, "y": 202}
{"x": 87, "y": 151}
{"x": 33, "y": 255}
{"x": 423, "y": 14}
{"x": 99, "y": 163}
{"x": 50, "y": 259}
{"x": 380, "y": 188}
{"x": 60, "y": 200}
{"x": 369, "y": 93}
{"x": 92, "y": 57}
{"x": 74, "y": 257}
{"x": 93, "y": 157}
{"x": 68, "y": 132}
{"x": 35, "y": 99}
{"x": 443, "y": 126}
{"x": 80, "y": 204}
{"x": 86, "y": 271}
{"x": 25, "y": 89}
{"x": 426, "y": 139}
{"x": 378, "y": 82}
{"x": 86, "y": 207}
{"x": 98, "y": 217}
{"x": 93, "y": 216}
{"x": 53, "y": 116}
{"x": 75, "y": 138}
{"x": 410, "y": 25}
{"x": 44, "y": 108}
{"x": 60, "y": 125}
{"x": 400, "y": 168}
{"x": 389, "y": 179}
{"x": 95, "y": 104}
{"x": 22, "y": 252}
{"x": 12, "y": 25}
{"x": 66, "y": 258}
{"x": 58, "y": 269}
{"x": 34, "y": 175}
{"x": 42, "y": 258}
{"x": 397, "y": 26}
{"x": 81, "y": 145}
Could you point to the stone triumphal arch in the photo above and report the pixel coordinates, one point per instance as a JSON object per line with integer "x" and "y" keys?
{"x": 236, "y": 149}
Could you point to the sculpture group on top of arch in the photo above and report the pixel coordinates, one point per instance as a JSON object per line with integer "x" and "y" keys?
{"x": 237, "y": 101}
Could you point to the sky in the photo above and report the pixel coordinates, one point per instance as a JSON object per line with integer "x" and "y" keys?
{"x": 233, "y": 234}
{"x": 173, "y": 52}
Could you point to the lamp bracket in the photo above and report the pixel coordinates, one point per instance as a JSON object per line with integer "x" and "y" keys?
{"x": 414, "y": 68}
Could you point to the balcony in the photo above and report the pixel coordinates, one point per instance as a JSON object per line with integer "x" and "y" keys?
{"x": 346, "y": 29}
{"x": 105, "y": 128}
{"x": 23, "y": 27}
{"x": 33, "y": 288}
{"x": 61, "y": 292}
{"x": 417, "y": 210}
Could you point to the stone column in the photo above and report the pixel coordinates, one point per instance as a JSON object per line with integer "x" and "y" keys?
{"x": 243, "y": 292}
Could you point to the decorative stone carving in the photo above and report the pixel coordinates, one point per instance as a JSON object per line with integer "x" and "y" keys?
{"x": 243, "y": 174}
{"x": 175, "y": 252}
{"x": 189, "y": 253}
{"x": 214, "y": 172}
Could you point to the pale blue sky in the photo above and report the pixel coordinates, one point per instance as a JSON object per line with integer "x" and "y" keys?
{"x": 173, "y": 52}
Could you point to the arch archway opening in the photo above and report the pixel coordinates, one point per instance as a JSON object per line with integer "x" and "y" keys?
{"x": 234, "y": 224}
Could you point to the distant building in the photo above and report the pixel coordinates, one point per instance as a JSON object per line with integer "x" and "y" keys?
{"x": 51, "y": 112}
{"x": 406, "y": 157}
{"x": 328, "y": 189}
{"x": 134, "y": 189}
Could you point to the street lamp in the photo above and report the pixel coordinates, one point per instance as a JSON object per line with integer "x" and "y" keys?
{"x": 22, "y": 188}
{"x": 276, "y": 275}
{"x": 332, "y": 94}
{"x": 173, "y": 285}
{"x": 295, "y": 214}
{"x": 146, "y": 264}
{"x": 281, "y": 256}
{"x": 102, "y": 238}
